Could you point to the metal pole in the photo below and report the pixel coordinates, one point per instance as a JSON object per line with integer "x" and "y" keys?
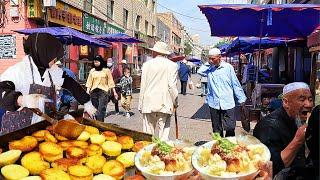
{"x": 45, "y": 13}
{"x": 133, "y": 32}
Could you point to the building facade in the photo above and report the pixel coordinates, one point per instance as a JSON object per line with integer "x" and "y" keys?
{"x": 163, "y": 32}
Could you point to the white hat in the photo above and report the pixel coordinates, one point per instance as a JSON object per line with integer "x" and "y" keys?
{"x": 58, "y": 63}
{"x": 294, "y": 86}
{"x": 214, "y": 52}
{"x": 161, "y": 47}
{"x": 124, "y": 61}
{"x": 109, "y": 60}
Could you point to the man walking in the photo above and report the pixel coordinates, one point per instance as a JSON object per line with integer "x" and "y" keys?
{"x": 158, "y": 93}
{"x": 223, "y": 88}
{"x": 184, "y": 73}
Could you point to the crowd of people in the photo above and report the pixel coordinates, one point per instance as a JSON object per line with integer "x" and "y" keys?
{"x": 288, "y": 131}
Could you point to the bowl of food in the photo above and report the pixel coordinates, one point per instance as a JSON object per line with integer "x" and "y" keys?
{"x": 168, "y": 160}
{"x": 230, "y": 158}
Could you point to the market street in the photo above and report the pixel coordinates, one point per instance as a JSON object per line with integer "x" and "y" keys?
{"x": 193, "y": 116}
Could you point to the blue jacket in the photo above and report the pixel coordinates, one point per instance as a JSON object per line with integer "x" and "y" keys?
{"x": 184, "y": 72}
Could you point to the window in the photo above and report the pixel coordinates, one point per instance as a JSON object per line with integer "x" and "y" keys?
{"x": 153, "y": 6}
{"x": 125, "y": 18}
{"x": 110, "y": 5}
{"x": 146, "y": 27}
{"x": 88, "y": 5}
{"x": 138, "y": 19}
{"x": 152, "y": 30}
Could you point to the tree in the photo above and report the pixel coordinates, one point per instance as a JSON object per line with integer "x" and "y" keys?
{"x": 187, "y": 48}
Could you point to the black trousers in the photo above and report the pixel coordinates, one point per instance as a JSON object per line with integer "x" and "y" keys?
{"x": 184, "y": 87}
{"x": 223, "y": 120}
{"x": 99, "y": 99}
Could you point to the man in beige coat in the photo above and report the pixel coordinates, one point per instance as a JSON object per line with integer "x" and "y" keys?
{"x": 158, "y": 93}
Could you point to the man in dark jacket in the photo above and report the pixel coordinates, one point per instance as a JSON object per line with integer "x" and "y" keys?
{"x": 283, "y": 131}
{"x": 184, "y": 73}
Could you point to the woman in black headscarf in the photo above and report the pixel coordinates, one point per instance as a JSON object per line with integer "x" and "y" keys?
{"x": 99, "y": 84}
{"x": 33, "y": 81}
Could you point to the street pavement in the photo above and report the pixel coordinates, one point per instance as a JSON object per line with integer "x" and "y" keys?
{"x": 194, "y": 122}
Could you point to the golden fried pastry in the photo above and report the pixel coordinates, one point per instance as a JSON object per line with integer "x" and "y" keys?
{"x": 126, "y": 142}
{"x": 84, "y": 136}
{"x": 79, "y": 172}
{"x": 60, "y": 138}
{"x": 31, "y": 178}
{"x": 111, "y": 148}
{"x": 94, "y": 149}
{"x": 97, "y": 139}
{"x": 114, "y": 168}
{"x": 139, "y": 145}
{"x": 80, "y": 144}
{"x": 127, "y": 159}
{"x": 51, "y": 151}
{"x": 25, "y": 144}
{"x": 49, "y": 137}
{"x": 14, "y": 171}
{"x": 54, "y": 174}
{"x": 135, "y": 177}
{"x": 95, "y": 163}
{"x": 34, "y": 163}
{"x": 65, "y": 163}
{"x": 110, "y": 136}
{"x": 9, "y": 157}
{"x": 103, "y": 177}
{"x": 92, "y": 130}
{"x": 65, "y": 144}
{"x": 39, "y": 134}
{"x": 76, "y": 152}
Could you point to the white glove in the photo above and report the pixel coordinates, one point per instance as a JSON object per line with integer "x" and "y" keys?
{"x": 90, "y": 109}
{"x": 33, "y": 101}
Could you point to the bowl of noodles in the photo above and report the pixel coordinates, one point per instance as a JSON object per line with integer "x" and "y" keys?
{"x": 168, "y": 160}
{"x": 230, "y": 158}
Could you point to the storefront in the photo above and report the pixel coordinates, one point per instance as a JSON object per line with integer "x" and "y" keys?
{"x": 314, "y": 49}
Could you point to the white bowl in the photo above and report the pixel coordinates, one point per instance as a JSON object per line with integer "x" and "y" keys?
{"x": 148, "y": 175}
{"x": 206, "y": 176}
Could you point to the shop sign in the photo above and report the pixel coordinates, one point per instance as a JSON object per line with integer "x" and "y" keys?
{"x": 93, "y": 25}
{"x": 112, "y": 29}
{"x": 8, "y": 47}
{"x": 34, "y": 9}
{"x": 66, "y": 15}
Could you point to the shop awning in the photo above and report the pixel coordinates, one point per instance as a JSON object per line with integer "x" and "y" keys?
{"x": 119, "y": 37}
{"x": 314, "y": 38}
{"x": 276, "y": 20}
{"x": 250, "y": 44}
{"x": 67, "y": 36}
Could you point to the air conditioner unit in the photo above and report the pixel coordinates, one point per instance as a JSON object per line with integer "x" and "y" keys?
{"x": 49, "y": 3}
{"x": 14, "y": 11}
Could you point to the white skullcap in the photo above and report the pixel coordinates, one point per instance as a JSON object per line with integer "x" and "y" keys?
{"x": 109, "y": 60}
{"x": 214, "y": 52}
{"x": 294, "y": 86}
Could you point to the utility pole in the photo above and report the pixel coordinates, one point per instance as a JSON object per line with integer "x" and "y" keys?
{"x": 133, "y": 32}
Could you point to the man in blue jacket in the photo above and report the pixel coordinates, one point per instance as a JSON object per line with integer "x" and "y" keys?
{"x": 184, "y": 73}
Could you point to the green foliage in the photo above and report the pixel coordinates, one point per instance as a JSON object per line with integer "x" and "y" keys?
{"x": 187, "y": 48}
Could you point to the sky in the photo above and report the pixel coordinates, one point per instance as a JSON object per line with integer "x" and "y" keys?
{"x": 190, "y": 7}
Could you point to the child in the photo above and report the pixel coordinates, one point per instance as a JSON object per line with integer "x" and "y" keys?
{"x": 126, "y": 91}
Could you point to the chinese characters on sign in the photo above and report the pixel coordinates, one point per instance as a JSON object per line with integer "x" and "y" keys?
{"x": 93, "y": 25}
{"x": 8, "y": 47}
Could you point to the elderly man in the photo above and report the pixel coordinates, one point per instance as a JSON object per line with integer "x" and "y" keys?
{"x": 223, "y": 86}
{"x": 158, "y": 93}
{"x": 283, "y": 131}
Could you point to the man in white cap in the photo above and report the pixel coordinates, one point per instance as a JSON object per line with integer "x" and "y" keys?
{"x": 223, "y": 88}
{"x": 158, "y": 92}
{"x": 283, "y": 131}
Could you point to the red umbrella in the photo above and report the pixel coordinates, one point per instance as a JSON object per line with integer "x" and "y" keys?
{"x": 176, "y": 58}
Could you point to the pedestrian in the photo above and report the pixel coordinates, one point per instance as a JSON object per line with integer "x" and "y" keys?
{"x": 224, "y": 89}
{"x": 116, "y": 75}
{"x": 99, "y": 84}
{"x": 126, "y": 91}
{"x": 32, "y": 81}
{"x": 283, "y": 131}
{"x": 184, "y": 74}
{"x": 158, "y": 93}
{"x": 204, "y": 83}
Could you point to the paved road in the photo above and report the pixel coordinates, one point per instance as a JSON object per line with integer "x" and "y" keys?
{"x": 193, "y": 116}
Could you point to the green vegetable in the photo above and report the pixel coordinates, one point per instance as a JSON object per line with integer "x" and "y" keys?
{"x": 163, "y": 146}
{"x": 226, "y": 145}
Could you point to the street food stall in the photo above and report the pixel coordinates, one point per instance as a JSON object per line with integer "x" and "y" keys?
{"x": 314, "y": 48}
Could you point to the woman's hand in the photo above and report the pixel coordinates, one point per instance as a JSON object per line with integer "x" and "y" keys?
{"x": 90, "y": 110}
